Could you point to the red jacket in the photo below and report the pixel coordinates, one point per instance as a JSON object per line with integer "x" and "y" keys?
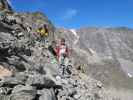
{"x": 59, "y": 50}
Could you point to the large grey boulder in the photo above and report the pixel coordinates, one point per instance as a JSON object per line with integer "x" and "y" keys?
{"x": 47, "y": 94}
{"x": 40, "y": 81}
{"x": 23, "y": 93}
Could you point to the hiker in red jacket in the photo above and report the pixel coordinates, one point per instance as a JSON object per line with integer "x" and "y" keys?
{"x": 62, "y": 52}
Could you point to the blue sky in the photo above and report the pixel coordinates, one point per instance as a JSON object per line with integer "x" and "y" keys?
{"x": 81, "y": 13}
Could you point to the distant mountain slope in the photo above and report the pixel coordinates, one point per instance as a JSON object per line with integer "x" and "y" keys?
{"x": 116, "y": 43}
{"x": 103, "y": 53}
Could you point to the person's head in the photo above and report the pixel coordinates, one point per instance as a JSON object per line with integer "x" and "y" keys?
{"x": 44, "y": 26}
{"x": 40, "y": 28}
{"x": 53, "y": 43}
{"x": 62, "y": 41}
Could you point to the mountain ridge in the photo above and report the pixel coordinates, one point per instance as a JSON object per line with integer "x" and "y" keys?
{"x": 98, "y": 61}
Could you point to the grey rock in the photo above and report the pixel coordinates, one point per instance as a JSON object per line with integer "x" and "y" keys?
{"x": 17, "y": 79}
{"x": 23, "y": 93}
{"x": 40, "y": 81}
{"x": 99, "y": 84}
{"x": 4, "y": 97}
{"x": 5, "y": 90}
{"x": 77, "y": 97}
{"x": 6, "y": 5}
{"x": 47, "y": 94}
{"x": 21, "y": 88}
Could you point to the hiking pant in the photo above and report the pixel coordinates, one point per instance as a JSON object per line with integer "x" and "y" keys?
{"x": 63, "y": 61}
{"x": 43, "y": 40}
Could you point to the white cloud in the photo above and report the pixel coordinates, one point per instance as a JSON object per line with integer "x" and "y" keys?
{"x": 70, "y": 14}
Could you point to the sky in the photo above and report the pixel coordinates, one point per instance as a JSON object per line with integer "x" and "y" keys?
{"x": 81, "y": 13}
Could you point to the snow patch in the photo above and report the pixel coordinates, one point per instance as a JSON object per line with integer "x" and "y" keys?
{"x": 130, "y": 75}
{"x": 76, "y": 35}
{"x": 92, "y": 51}
{"x": 74, "y": 32}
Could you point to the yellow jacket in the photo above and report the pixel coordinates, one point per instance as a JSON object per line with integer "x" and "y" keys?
{"x": 42, "y": 32}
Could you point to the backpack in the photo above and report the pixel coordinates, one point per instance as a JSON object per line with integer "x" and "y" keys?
{"x": 43, "y": 32}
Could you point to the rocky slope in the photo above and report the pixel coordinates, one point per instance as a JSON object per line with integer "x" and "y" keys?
{"x": 28, "y": 71}
{"x": 113, "y": 44}
{"x": 103, "y": 53}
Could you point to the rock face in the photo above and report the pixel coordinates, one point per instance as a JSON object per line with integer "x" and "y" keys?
{"x": 116, "y": 43}
{"x": 34, "y": 75}
{"x": 24, "y": 60}
{"x": 109, "y": 43}
{"x": 31, "y": 72}
{"x": 36, "y": 20}
{"x": 6, "y": 5}
{"x": 103, "y": 53}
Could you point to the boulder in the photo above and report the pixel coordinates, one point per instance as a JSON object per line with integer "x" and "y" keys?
{"x": 40, "y": 81}
{"x": 21, "y": 92}
{"x": 4, "y": 72}
{"x": 47, "y": 94}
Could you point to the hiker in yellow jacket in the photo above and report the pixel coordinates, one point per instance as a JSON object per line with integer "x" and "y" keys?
{"x": 43, "y": 33}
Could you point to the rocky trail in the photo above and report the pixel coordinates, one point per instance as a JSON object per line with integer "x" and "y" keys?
{"x": 28, "y": 70}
